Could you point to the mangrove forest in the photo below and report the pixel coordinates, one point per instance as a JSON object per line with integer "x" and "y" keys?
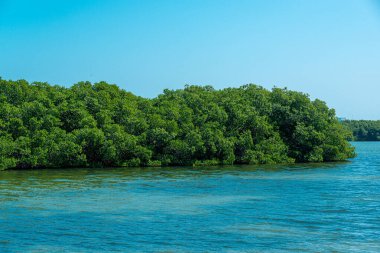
{"x": 363, "y": 130}
{"x": 46, "y": 126}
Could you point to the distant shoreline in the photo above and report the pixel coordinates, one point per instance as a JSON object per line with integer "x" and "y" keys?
{"x": 363, "y": 130}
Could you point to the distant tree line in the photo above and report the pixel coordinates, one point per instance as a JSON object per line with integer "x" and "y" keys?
{"x": 363, "y": 130}
{"x": 44, "y": 126}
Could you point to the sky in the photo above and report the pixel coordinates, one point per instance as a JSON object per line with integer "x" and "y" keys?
{"x": 329, "y": 49}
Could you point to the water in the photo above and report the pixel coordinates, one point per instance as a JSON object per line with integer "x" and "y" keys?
{"x": 304, "y": 208}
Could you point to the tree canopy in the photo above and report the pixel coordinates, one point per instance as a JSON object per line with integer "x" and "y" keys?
{"x": 363, "y": 130}
{"x": 43, "y": 126}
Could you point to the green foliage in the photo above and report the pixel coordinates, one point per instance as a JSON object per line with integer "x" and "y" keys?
{"x": 102, "y": 125}
{"x": 7, "y": 148}
{"x": 363, "y": 130}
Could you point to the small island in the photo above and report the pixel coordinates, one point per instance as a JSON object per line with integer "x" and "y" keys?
{"x": 101, "y": 125}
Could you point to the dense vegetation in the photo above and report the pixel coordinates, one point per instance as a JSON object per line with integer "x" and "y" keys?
{"x": 102, "y": 125}
{"x": 363, "y": 130}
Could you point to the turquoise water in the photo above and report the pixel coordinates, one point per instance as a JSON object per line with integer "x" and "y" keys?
{"x": 304, "y": 208}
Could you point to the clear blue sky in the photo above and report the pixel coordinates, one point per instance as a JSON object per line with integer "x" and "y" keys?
{"x": 329, "y": 49}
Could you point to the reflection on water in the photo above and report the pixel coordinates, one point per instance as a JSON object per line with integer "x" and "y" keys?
{"x": 333, "y": 207}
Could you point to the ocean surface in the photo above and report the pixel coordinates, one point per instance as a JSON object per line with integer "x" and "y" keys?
{"x": 332, "y": 207}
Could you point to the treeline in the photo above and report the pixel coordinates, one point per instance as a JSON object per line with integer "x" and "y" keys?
{"x": 363, "y": 130}
{"x": 102, "y": 125}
